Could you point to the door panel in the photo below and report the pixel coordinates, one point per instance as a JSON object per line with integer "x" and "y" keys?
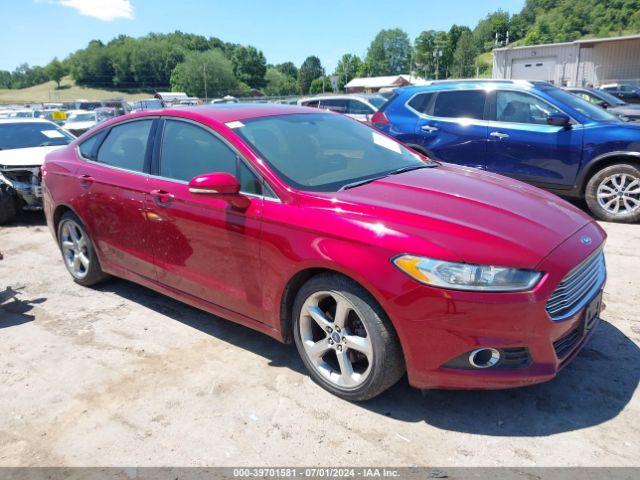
{"x": 522, "y": 145}
{"x": 203, "y": 244}
{"x": 455, "y": 130}
{"x": 113, "y": 206}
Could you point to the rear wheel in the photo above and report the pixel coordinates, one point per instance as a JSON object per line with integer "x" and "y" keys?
{"x": 613, "y": 193}
{"x": 77, "y": 251}
{"x": 344, "y": 338}
{"x": 8, "y": 204}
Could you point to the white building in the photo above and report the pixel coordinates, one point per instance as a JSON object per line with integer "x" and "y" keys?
{"x": 375, "y": 84}
{"x": 594, "y": 62}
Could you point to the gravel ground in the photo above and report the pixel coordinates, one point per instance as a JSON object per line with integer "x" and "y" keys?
{"x": 121, "y": 376}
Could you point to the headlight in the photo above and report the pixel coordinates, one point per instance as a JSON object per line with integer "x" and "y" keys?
{"x": 466, "y": 276}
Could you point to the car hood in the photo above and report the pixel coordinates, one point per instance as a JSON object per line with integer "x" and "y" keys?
{"x": 27, "y": 157}
{"x": 631, "y": 109}
{"x": 79, "y": 125}
{"x": 466, "y": 215}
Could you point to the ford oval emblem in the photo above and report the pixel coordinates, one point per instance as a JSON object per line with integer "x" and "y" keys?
{"x": 585, "y": 240}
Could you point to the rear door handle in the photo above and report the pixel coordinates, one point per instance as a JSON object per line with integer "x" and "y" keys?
{"x": 499, "y": 135}
{"x": 429, "y": 128}
{"x": 162, "y": 198}
{"x": 85, "y": 180}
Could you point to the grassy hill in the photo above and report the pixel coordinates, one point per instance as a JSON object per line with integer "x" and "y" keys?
{"x": 69, "y": 91}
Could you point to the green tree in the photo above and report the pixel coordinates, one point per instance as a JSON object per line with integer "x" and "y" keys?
{"x": 347, "y": 69}
{"x": 279, "y": 84}
{"x": 55, "y": 71}
{"x": 484, "y": 35}
{"x": 464, "y": 56}
{"x": 249, "y": 66}
{"x": 288, "y": 69}
{"x": 189, "y": 76}
{"x": 389, "y": 53}
{"x": 321, "y": 85}
{"x": 310, "y": 69}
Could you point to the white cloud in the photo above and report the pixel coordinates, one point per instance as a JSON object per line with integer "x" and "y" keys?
{"x": 106, "y": 10}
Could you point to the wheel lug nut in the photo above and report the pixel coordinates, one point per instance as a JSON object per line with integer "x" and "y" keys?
{"x": 339, "y": 348}
{"x": 328, "y": 329}
{"x": 330, "y": 342}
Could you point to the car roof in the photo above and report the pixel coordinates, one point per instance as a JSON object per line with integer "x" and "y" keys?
{"x": 230, "y": 112}
{"x": 440, "y": 85}
{"x": 333, "y": 97}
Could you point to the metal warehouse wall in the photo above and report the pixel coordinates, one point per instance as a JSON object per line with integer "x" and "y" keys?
{"x": 599, "y": 62}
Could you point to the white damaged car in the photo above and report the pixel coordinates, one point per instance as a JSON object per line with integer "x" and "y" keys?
{"x": 24, "y": 142}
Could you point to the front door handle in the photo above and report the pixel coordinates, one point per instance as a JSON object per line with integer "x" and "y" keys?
{"x": 85, "y": 180}
{"x": 429, "y": 128}
{"x": 499, "y": 135}
{"x": 162, "y": 198}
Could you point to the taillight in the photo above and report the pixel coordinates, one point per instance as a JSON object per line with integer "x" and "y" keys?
{"x": 380, "y": 118}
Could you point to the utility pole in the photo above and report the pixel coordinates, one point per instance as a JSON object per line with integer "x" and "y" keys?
{"x": 437, "y": 54}
{"x": 204, "y": 74}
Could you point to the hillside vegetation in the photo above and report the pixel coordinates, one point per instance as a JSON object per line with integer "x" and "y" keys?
{"x": 208, "y": 66}
{"x": 69, "y": 91}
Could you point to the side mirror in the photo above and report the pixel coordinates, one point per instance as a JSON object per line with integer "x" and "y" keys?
{"x": 559, "y": 120}
{"x": 215, "y": 183}
{"x": 603, "y": 104}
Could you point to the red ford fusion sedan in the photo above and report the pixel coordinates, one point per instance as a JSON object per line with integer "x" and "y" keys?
{"x": 318, "y": 230}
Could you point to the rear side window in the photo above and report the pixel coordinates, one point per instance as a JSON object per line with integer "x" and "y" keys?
{"x": 460, "y": 104}
{"x": 312, "y": 103}
{"x": 420, "y": 102}
{"x": 335, "y": 105}
{"x": 126, "y": 145}
{"x": 189, "y": 151}
{"x": 357, "y": 107}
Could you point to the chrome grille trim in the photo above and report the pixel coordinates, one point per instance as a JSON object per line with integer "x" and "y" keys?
{"x": 577, "y": 287}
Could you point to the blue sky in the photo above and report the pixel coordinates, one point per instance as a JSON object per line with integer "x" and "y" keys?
{"x": 34, "y": 31}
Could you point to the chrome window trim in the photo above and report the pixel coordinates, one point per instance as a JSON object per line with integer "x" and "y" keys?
{"x": 228, "y": 144}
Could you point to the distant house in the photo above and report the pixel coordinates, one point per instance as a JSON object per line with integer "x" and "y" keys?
{"x": 171, "y": 98}
{"x": 375, "y": 84}
{"x": 592, "y": 61}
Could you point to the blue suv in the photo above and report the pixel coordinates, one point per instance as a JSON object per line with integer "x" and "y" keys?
{"x": 531, "y": 131}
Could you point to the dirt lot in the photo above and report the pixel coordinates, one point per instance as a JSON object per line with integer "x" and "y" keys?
{"x": 119, "y": 375}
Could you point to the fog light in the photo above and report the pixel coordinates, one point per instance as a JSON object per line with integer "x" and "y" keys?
{"x": 484, "y": 357}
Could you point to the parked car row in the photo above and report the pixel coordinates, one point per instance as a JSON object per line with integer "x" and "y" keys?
{"x": 531, "y": 131}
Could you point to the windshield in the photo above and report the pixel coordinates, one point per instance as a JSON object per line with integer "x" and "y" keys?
{"x": 377, "y": 101}
{"x": 587, "y": 109}
{"x": 82, "y": 117}
{"x": 31, "y": 134}
{"x": 607, "y": 97}
{"x": 323, "y": 152}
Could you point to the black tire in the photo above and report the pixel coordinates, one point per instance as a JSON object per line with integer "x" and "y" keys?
{"x": 93, "y": 274}
{"x": 8, "y": 204}
{"x": 600, "y": 180}
{"x": 387, "y": 366}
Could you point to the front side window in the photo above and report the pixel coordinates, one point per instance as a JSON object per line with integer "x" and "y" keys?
{"x": 126, "y": 145}
{"x": 323, "y": 152}
{"x": 188, "y": 151}
{"x": 519, "y": 107}
{"x": 32, "y": 134}
{"x": 460, "y": 104}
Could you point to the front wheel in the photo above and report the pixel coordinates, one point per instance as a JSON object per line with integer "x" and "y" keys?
{"x": 77, "y": 251}
{"x": 613, "y": 193}
{"x": 344, "y": 338}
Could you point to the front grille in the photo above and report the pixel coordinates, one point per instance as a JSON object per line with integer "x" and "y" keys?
{"x": 578, "y": 287}
{"x": 566, "y": 343}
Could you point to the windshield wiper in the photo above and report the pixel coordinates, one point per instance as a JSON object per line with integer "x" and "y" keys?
{"x": 393, "y": 172}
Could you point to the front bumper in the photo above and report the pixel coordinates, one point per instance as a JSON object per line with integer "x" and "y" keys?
{"x": 437, "y": 326}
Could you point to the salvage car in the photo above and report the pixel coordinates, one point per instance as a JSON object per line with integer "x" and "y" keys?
{"x": 318, "y": 230}
{"x": 625, "y": 111}
{"x": 354, "y": 106}
{"x": 24, "y": 142}
{"x": 79, "y": 121}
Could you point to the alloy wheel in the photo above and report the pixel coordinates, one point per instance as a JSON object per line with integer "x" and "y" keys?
{"x": 619, "y": 194}
{"x": 73, "y": 242}
{"x": 335, "y": 339}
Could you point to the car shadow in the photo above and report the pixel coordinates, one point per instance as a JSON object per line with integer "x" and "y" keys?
{"x": 28, "y": 218}
{"x": 595, "y": 387}
{"x": 14, "y": 311}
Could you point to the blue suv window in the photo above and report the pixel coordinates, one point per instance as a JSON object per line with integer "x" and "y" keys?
{"x": 420, "y": 102}
{"x": 519, "y": 107}
{"x": 460, "y": 104}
